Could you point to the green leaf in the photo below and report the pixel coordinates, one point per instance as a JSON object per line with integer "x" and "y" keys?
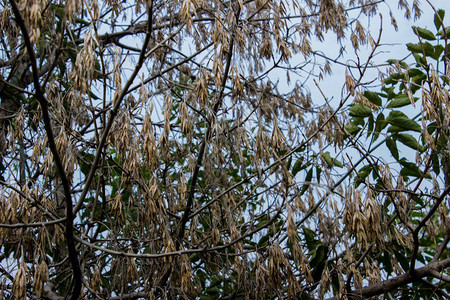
{"x": 392, "y": 61}
{"x": 439, "y": 18}
{"x": 331, "y": 161}
{"x": 364, "y": 172}
{"x": 399, "y": 101}
{"x": 370, "y": 127}
{"x": 303, "y": 296}
{"x": 263, "y": 240}
{"x": 360, "y": 110}
{"x": 85, "y": 162}
{"x": 327, "y": 157}
{"x": 297, "y": 166}
{"x": 417, "y": 82}
{"x": 373, "y": 97}
{"x": 194, "y": 258}
{"x": 421, "y": 258}
{"x": 337, "y": 163}
{"x": 309, "y": 234}
{"x": 415, "y": 72}
{"x": 399, "y": 119}
{"x": 429, "y": 50}
{"x": 394, "y": 79}
{"x": 81, "y": 21}
{"x": 301, "y": 149}
{"x": 395, "y": 129}
{"x": 402, "y": 64}
{"x": 380, "y": 124}
{"x": 419, "y": 59}
{"x": 442, "y": 34}
{"x": 421, "y": 48}
{"x": 390, "y": 92}
{"x": 406, "y": 123}
{"x": 335, "y": 282}
{"x": 307, "y": 181}
{"x": 410, "y": 169}
{"x": 396, "y": 114}
{"x": 310, "y": 240}
{"x": 435, "y": 161}
{"x": 418, "y": 200}
{"x": 424, "y": 33}
{"x": 289, "y": 163}
{"x": 387, "y": 262}
{"x": 319, "y": 256}
{"x": 447, "y": 50}
{"x": 438, "y": 49}
{"x": 358, "y": 121}
{"x": 409, "y": 141}
{"x": 58, "y": 10}
{"x": 318, "y": 172}
{"x": 416, "y": 48}
{"x": 352, "y": 129}
{"x": 400, "y": 256}
{"x": 317, "y": 272}
{"x": 390, "y": 143}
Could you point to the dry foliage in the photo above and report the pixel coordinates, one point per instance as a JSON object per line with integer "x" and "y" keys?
{"x": 147, "y": 152}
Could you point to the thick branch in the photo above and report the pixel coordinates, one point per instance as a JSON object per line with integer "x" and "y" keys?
{"x": 69, "y": 235}
{"x": 399, "y": 281}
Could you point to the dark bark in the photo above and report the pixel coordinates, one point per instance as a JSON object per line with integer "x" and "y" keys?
{"x": 399, "y": 281}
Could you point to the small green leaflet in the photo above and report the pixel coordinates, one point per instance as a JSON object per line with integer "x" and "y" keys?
{"x": 414, "y": 48}
{"x": 411, "y": 169}
{"x": 400, "y": 100}
{"x": 318, "y": 255}
{"x": 441, "y": 32}
{"x": 360, "y": 110}
{"x": 331, "y": 161}
{"x": 373, "y": 97}
{"x": 364, "y": 172}
{"x": 438, "y": 18}
{"x": 414, "y": 72}
{"x": 307, "y": 181}
{"x": 405, "y": 123}
{"x": 397, "y": 118}
{"x": 409, "y": 141}
{"x": 390, "y": 143}
{"x": 297, "y": 166}
{"x": 424, "y": 33}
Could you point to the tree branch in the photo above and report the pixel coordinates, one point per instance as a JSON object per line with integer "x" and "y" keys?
{"x": 69, "y": 235}
{"x": 396, "y": 282}
{"x": 115, "y": 110}
{"x": 201, "y": 152}
{"x": 36, "y": 224}
{"x": 442, "y": 248}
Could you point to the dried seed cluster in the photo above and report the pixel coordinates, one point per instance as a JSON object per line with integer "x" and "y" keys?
{"x": 191, "y": 169}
